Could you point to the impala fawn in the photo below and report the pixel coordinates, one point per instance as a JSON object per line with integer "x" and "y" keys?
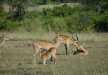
{"x": 51, "y": 53}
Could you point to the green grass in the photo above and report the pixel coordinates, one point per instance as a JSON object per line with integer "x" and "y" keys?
{"x": 16, "y": 59}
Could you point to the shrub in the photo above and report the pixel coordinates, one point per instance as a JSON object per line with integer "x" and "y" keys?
{"x": 101, "y": 23}
{"x": 60, "y": 11}
{"x": 8, "y": 25}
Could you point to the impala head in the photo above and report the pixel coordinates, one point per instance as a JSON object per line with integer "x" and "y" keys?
{"x": 81, "y": 49}
{"x": 76, "y": 44}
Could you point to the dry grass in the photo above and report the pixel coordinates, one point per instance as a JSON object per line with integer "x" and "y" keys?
{"x": 17, "y": 59}
{"x": 49, "y": 36}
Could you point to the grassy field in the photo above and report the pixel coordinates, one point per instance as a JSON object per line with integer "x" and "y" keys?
{"x": 16, "y": 58}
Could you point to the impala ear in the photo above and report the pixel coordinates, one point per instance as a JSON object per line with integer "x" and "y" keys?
{"x": 77, "y": 37}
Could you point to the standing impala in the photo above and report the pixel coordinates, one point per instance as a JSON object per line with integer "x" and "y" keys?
{"x": 40, "y": 45}
{"x": 67, "y": 41}
{"x": 44, "y": 45}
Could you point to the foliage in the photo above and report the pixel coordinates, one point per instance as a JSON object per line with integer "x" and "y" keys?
{"x": 60, "y": 11}
{"x": 59, "y": 19}
{"x": 8, "y": 25}
{"x": 101, "y": 23}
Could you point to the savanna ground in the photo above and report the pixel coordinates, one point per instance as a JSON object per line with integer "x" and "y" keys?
{"x": 16, "y": 57}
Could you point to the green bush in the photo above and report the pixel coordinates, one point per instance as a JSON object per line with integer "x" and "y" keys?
{"x": 101, "y": 23}
{"x": 55, "y": 24}
{"x": 60, "y": 11}
{"x": 59, "y": 19}
{"x": 8, "y": 25}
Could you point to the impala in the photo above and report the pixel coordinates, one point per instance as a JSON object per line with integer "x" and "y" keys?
{"x": 50, "y": 53}
{"x": 67, "y": 41}
{"x": 44, "y": 45}
{"x": 41, "y": 45}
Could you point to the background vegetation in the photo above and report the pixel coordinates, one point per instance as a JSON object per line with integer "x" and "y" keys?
{"x": 87, "y": 16}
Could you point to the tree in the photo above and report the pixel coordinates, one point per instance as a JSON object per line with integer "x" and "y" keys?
{"x": 16, "y": 8}
{"x": 1, "y": 7}
{"x": 99, "y": 5}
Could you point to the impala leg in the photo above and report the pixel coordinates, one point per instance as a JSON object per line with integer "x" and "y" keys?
{"x": 51, "y": 59}
{"x": 44, "y": 61}
{"x": 35, "y": 51}
{"x": 65, "y": 48}
{"x": 34, "y": 57}
{"x": 54, "y": 58}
